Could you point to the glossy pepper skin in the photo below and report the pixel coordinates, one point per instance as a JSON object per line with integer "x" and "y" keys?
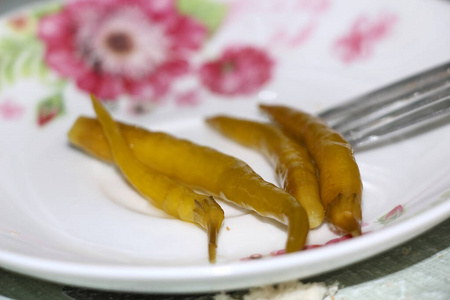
{"x": 339, "y": 176}
{"x": 204, "y": 168}
{"x": 174, "y": 198}
{"x": 292, "y": 163}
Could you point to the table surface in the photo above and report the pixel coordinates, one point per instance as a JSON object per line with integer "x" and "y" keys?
{"x": 418, "y": 269}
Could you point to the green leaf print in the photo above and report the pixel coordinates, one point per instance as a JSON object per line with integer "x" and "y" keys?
{"x": 43, "y": 10}
{"x": 21, "y": 52}
{"x": 49, "y": 108}
{"x": 445, "y": 196}
{"x": 207, "y": 12}
{"x": 21, "y": 57}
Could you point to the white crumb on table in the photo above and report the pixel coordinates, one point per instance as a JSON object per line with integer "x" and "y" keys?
{"x": 293, "y": 290}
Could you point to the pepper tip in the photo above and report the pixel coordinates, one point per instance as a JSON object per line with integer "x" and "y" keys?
{"x": 344, "y": 215}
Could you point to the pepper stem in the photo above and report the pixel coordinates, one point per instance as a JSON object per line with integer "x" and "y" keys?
{"x": 210, "y": 216}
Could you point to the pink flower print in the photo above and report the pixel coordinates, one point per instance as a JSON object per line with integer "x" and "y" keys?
{"x": 339, "y": 239}
{"x": 313, "y": 246}
{"x": 10, "y": 110}
{"x": 239, "y": 71}
{"x": 304, "y": 34}
{"x": 252, "y": 257}
{"x": 358, "y": 43}
{"x": 307, "y": 247}
{"x": 395, "y": 212}
{"x": 330, "y": 242}
{"x": 278, "y": 252}
{"x": 301, "y": 36}
{"x": 392, "y": 215}
{"x": 188, "y": 98}
{"x": 315, "y": 6}
{"x": 121, "y": 47}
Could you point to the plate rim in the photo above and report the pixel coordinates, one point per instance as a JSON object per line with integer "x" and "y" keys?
{"x": 215, "y": 278}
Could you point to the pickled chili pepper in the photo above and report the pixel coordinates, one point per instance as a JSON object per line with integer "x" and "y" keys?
{"x": 204, "y": 168}
{"x": 174, "y": 198}
{"x": 293, "y": 165}
{"x": 339, "y": 176}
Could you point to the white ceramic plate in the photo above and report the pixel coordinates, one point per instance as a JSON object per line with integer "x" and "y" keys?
{"x": 68, "y": 218}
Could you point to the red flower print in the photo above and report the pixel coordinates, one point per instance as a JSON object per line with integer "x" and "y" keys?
{"x": 359, "y": 41}
{"x": 239, "y": 71}
{"x": 117, "y": 47}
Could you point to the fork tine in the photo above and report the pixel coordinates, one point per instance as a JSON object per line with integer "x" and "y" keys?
{"x": 360, "y": 116}
{"x": 431, "y": 113}
{"x": 406, "y": 88}
{"x": 384, "y": 115}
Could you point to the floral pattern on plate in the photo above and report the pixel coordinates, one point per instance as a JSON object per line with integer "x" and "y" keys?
{"x": 138, "y": 49}
{"x": 145, "y": 50}
{"x": 392, "y": 215}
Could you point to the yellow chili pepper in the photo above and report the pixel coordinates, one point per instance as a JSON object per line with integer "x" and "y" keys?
{"x": 293, "y": 165}
{"x": 204, "y": 168}
{"x": 339, "y": 177}
{"x": 174, "y": 198}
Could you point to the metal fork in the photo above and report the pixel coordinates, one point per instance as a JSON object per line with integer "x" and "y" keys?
{"x": 419, "y": 101}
